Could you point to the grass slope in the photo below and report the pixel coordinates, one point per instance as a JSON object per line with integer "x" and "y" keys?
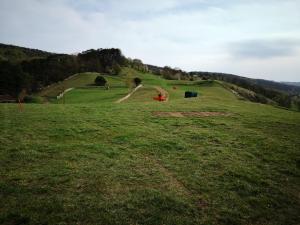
{"x": 98, "y": 162}
{"x": 78, "y": 80}
{"x": 85, "y": 91}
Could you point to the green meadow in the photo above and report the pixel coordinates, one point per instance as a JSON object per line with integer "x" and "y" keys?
{"x": 94, "y": 161}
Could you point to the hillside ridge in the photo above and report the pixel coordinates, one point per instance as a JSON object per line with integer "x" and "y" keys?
{"x": 16, "y": 53}
{"x": 32, "y": 70}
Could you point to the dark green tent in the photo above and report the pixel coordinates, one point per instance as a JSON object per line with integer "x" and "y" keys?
{"x": 190, "y": 94}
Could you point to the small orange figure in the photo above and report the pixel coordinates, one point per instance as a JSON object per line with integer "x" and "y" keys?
{"x": 160, "y": 98}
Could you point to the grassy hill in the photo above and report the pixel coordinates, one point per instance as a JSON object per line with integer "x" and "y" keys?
{"x": 30, "y": 70}
{"x": 94, "y": 161}
{"x": 82, "y": 80}
{"x": 86, "y": 92}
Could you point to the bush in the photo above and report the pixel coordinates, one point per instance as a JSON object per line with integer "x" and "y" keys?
{"x": 116, "y": 69}
{"x": 32, "y": 99}
{"x": 298, "y": 105}
{"x": 100, "y": 81}
{"x": 137, "y": 81}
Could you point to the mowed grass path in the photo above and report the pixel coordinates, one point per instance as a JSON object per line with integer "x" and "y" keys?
{"x": 107, "y": 163}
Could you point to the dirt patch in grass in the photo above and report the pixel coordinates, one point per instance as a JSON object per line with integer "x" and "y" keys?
{"x": 189, "y": 114}
{"x": 163, "y": 92}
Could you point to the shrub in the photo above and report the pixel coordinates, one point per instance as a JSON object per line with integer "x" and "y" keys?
{"x": 100, "y": 81}
{"x": 116, "y": 69}
{"x": 32, "y": 99}
{"x": 137, "y": 81}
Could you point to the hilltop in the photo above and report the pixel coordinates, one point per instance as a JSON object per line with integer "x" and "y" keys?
{"x": 292, "y": 83}
{"x": 16, "y": 54}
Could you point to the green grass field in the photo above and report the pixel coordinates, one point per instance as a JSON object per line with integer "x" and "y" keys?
{"x": 93, "y": 161}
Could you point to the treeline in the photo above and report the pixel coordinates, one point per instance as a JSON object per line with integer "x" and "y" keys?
{"x": 137, "y": 64}
{"x": 290, "y": 88}
{"x": 16, "y": 54}
{"x": 34, "y": 74}
{"x": 170, "y": 73}
{"x": 292, "y": 83}
{"x": 283, "y": 95}
{"x": 245, "y": 94}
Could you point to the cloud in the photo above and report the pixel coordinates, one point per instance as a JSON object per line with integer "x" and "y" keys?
{"x": 211, "y": 35}
{"x": 264, "y": 49}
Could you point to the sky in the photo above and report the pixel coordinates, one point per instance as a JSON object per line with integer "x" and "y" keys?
{"x": 253, "y": 38}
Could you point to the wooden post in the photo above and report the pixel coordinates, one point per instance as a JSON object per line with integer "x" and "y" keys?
{"x": 21, "y": 98}
{"x": 20, "y": 105}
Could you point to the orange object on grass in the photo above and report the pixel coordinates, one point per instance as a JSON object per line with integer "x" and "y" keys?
{"x": 160, "y": 98}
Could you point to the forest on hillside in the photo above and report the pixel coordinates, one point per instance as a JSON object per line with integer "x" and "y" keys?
{"x": 32, "y": 74}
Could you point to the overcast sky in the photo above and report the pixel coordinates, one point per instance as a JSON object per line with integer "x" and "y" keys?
{"x": 259, "y": 39}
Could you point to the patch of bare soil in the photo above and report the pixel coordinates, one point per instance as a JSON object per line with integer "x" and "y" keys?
{"x": 189, "y": 114}
{"x": 163, "y": 92}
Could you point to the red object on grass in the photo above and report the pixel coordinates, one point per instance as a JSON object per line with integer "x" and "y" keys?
{"x": 160, "y": 98}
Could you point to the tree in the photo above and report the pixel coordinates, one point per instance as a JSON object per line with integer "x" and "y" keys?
{"x": 137, "y": 81}
{"x": 100, "y": 81}
{"x": 297, "y": 103}
{"x": 129, "y": 79}
{"x": 13, "y": 79}
{"x": 116, "y": 69}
